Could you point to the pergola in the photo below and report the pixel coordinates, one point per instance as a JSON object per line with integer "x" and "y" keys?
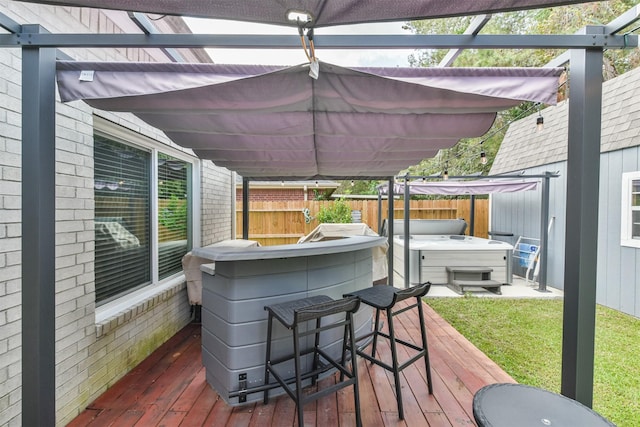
{"x": 38, "y": 142}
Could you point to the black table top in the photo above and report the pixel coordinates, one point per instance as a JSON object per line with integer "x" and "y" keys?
{"x": 510, "y": 405}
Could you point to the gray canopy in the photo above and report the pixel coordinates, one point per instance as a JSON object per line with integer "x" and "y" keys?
{"x": 271, "y": 122}
{"x": 452, "y": 188}
{"x": 322, "y": 12}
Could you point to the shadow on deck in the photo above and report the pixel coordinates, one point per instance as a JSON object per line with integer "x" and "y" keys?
{"x": 169, "y": 388}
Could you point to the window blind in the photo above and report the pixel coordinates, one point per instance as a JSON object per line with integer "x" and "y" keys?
{"x": 173, "y": 213}
{"x": 122, "y": 218}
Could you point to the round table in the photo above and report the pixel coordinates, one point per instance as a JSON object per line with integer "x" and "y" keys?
{"x": 508, "y": 405}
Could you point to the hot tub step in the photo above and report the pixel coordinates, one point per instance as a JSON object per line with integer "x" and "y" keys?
{"x": 490, "y": 285}
{"x": 469, "y": 273}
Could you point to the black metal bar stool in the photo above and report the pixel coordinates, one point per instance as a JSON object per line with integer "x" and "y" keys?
{"x": 292, "y": 315}
{"x": 385, "y": 297}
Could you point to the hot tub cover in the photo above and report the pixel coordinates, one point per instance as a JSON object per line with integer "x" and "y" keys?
{"x": 273, "y": 122}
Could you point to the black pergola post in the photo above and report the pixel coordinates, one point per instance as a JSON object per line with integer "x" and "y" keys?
{"x": 390, "y": 220}
{"x": 245, "y": 208}
{"x": 583, "y": 176}
{"x": 38, "y": 233}
{"x": 472, "y": 215}
{"x": 544, "y": 232}
{"x": 407, "y": 231}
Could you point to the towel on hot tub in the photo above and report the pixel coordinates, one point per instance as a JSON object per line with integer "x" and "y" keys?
{"x": 191, "y": 266}
{"x": 330, "y": 231}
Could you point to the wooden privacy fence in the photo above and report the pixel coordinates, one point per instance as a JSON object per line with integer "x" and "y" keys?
{"x": 282, "y": 222}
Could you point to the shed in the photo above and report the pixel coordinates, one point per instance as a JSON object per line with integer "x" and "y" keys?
{"x": 525, "y": 149}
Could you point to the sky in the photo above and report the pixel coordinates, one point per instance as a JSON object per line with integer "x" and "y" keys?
{"x": 351, "y": 57}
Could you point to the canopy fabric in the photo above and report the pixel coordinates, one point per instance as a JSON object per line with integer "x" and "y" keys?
{"x": 323, "y": 12}
{"x": 453, "y": 188}
{"x": 269, "y": 122}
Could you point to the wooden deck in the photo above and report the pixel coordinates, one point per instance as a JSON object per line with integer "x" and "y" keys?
{"x": 169, "y": 389}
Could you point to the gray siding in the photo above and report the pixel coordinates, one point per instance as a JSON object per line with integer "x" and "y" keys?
{"x": 618, "y": 281}
{"x": 519, "y": 213}
{"x": 524, "y": 148}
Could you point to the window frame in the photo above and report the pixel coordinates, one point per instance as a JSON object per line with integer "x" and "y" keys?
{"x": 626, "y": 229}
{"x": 123, "y": 135}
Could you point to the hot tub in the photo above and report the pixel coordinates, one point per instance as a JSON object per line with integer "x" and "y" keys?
{"x": 431, "y": 254}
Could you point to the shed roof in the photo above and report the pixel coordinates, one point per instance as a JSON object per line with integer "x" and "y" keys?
{"x": 523, "y": 147}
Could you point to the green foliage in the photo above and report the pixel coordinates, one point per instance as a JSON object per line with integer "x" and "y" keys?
{"x": 557, "y": 20}
{"x": 358, "y": 187}
{"x": 320, "y": 195}
{"x": 174, "y": 216}
{"x": 524, "y": 337}
{"x": 170, "y": 188}
{"x": 464, "y": 157}
{"x": 335, "y": 212}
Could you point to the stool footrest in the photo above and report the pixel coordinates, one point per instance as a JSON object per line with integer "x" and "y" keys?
{"x": 304, "y": 317}
{"x": 383, "y": 299}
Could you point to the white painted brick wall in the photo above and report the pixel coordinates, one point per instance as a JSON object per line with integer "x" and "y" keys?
{"x": 90, "y": 357}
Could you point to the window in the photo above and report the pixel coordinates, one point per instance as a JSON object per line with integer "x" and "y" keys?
{"x": 630, "y": 235}
{"x": 122, "y": 212}
{"x": 173, "y": 213}
{"x": 143, "y": 214}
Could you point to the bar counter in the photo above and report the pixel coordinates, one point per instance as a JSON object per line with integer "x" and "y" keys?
{"x": 244, "y": 280}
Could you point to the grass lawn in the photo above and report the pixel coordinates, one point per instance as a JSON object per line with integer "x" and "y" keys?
{"x": 524, "y": 336}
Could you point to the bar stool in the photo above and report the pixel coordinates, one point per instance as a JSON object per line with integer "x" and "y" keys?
{"x": 385, "y": 297}
{"x": 292, "y": 315}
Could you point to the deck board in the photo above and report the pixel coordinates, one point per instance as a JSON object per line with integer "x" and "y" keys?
{"x": 169, "y": 388}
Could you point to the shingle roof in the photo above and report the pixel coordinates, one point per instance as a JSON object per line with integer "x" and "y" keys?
{"x": 524, "y": 148}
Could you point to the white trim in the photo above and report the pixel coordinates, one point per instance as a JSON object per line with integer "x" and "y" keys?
{"x": 155, "y": 233}
{"x": 626, "y": 217}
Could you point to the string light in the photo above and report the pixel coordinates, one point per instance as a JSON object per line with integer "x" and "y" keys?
{"x": 539, "y": 120}
{"x": 352, "y": 183}
{"x": 483, "y": 157}
{"x": 445, "y": 175}
{"x": 316, "y": 183}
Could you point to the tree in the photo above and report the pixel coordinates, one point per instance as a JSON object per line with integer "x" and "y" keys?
{"x": 556, "y": 20}
{"x": 464, "y": 157}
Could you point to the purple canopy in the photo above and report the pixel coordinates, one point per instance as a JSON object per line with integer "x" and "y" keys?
{"x": 323, "y": 12}
{"x": 269, "y": 122}
{"x": 452, "y": 188}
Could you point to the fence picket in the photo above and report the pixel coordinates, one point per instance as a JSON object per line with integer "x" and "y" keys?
{"x": 282, "y": 222}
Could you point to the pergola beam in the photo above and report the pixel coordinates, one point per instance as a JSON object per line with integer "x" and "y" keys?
{"x": 474, "y": 28}
{"x": 351, "y": 41}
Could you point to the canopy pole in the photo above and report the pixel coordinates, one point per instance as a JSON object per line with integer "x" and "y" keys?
{"x": 472, "y": 215}
{"x": 407, "y": 213}
{"x": 245, "y": 208}
{"x": 38, "y": 233}
{"x": 583, "y": 176}
{"x": 379, "y": 211}
{"x": 390, "y": 233}
{"x": 544, "y": 233}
